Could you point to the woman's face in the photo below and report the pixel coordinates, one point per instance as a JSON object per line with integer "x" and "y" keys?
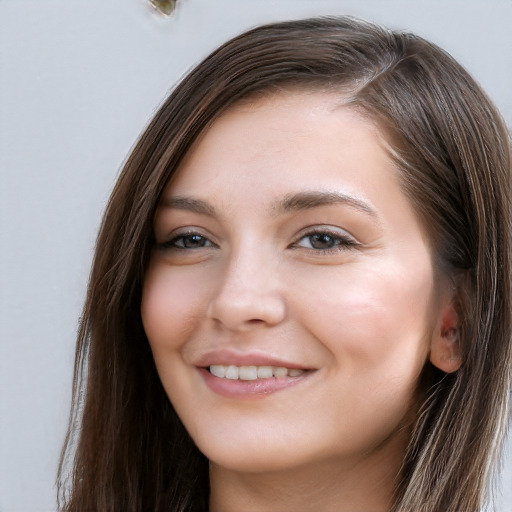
{"x": 290, "y": 300}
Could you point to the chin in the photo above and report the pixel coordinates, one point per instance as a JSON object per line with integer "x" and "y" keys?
{"x": 253, "y": 456}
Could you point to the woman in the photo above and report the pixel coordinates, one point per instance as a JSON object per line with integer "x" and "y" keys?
{"x": 300, "y": 297}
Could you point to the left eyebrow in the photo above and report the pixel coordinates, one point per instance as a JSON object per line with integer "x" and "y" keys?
{"x": 307, "y": 200}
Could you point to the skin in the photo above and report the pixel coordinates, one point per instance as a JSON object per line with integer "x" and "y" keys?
{"x": 359, "y": 305}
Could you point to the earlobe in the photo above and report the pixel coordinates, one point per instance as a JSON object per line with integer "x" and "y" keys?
{"x": 445, "y": 351}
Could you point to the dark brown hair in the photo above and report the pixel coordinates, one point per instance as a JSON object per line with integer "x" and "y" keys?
{"x": 126, "y": 450}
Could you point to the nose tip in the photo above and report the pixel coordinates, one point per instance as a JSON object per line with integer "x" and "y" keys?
{"x": 248, "y": 299}
{"x": 244, "y": 312}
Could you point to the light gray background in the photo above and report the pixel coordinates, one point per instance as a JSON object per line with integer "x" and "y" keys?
{"x": 79, "y": 80}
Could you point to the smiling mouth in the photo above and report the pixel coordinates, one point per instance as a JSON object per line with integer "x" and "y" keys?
{"x": 233, "y": 372}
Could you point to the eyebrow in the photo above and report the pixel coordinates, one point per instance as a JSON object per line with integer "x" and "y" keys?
{"x": 190, "y": 204}
{"x": 289, "y": 203}
{"x": 307, "y": 200}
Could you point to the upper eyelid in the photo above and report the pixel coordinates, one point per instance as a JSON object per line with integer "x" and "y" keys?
{"x": 184, "y": 232}
{"x": 332, "y": 230}
{"x": 335, "y": 231}
{"x": 346, "y": 241}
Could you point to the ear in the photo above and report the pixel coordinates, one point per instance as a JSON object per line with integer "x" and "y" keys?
{"x": 445, "y": 352}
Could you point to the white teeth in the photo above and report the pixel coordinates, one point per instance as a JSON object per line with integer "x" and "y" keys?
{"x": 218, "y": 370}
{"x": 264, "y": 372}
{"x": 280, "y": 371}
{"x": 248, "y": 373}
{"x": 233, "y": 372}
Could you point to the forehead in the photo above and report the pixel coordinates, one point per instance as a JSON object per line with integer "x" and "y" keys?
{"x": 285, "y": 137}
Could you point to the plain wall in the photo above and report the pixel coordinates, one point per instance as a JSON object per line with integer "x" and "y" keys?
{"x": 78, "y": 82}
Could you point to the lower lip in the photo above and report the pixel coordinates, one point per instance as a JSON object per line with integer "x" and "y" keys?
{"x": 248, "y": 389}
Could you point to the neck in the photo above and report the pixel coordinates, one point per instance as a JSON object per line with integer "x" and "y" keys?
{"x": 363, "y": 485}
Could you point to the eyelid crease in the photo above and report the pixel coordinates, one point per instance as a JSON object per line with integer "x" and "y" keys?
{"x": 169, "y": 242}
{"x": 347, "y": 241}
{"x": 327, "y": 229}
{"x": 339, "y": 233}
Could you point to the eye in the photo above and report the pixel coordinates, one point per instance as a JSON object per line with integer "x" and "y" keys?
{"x": 187, "y": 241}
{"x": 326, "y": 240}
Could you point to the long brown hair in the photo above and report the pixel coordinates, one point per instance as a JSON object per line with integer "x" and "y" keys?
{"x": 126, "y": 450}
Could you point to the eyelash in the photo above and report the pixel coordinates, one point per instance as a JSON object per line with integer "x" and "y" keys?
{"x": 341, "y": 242}
{"x": 173, "y": 242}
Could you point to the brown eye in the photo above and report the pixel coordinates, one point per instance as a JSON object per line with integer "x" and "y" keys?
{"x": 187, "y": 241}
{"x": 191, "y": 241}
{"x": 322, "y": 240}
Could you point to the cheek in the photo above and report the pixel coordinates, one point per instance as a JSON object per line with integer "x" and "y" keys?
{"x": 172, "y": 303}
{"x": 376, "y": 317}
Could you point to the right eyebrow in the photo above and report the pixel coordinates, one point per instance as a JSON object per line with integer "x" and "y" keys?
{"x": 190, "y": 204}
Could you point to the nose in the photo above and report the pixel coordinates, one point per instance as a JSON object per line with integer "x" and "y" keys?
{"x": 248, "y": 293}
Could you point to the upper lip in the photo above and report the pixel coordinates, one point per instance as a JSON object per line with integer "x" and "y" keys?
{"x": 228, "y": 357}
